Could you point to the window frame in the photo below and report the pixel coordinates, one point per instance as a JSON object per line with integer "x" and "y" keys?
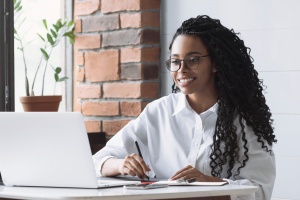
{"x": 7, "y": 92}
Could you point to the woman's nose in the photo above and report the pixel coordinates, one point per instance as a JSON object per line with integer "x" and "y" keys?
{"x": 183, "y": 68}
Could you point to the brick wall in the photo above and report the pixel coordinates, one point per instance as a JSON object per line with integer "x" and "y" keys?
{"x": 116, "y": 60}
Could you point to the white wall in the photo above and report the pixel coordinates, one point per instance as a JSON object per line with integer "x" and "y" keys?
{"x": 271, "y": 28}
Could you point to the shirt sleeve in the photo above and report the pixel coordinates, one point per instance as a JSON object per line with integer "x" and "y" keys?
{"x": 122, "y": 144}
{"x": 260, "y": 170}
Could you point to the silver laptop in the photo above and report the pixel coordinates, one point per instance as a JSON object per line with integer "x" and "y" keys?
{"x": 49, "y": 149}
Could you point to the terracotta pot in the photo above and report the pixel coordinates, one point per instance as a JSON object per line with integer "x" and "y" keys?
{"x": 41, "y": 103}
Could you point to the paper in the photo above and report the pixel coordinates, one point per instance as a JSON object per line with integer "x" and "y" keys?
{"x": 193, "y": 183}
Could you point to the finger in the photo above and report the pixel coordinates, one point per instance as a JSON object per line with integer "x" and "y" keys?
{"x": 127, "y": 171}
{"x": 180, "y": 173}
{"x": 131, "y": 167}
{"x": 132, "y": 170}
{"x": 142, "y": 163}
{"x": 137, "y": 162}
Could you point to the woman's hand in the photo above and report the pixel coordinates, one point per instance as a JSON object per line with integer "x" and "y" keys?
{"x": 134, "y": 165}
{"x": 190, "y": 172}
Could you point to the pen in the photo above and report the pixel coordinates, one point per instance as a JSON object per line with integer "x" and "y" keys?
{"x": 140, "y": 154}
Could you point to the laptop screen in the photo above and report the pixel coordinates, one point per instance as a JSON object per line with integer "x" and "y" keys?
{"x": 45, "y": 149}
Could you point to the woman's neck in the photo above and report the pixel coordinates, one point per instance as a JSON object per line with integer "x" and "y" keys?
{"x": 201, "y": 103}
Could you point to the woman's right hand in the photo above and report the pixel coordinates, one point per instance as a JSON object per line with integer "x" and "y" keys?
{"x": 134, "y": 165}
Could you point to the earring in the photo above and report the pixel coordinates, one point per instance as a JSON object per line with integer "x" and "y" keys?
{"x": 214, "y": 69}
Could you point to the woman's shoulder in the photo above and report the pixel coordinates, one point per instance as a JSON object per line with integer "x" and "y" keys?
{"x": 171, "y": 98}
{"x": 166, "y": 102}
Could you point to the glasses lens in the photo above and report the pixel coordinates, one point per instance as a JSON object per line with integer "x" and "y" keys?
{"x": 172, "y": 65}
{"x": 192, "y": 62}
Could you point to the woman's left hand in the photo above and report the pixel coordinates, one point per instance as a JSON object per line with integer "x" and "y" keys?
{"x": 191, "y": 173}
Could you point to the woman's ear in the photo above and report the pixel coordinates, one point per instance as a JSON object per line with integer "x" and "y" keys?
{"x": 214, "y": 69}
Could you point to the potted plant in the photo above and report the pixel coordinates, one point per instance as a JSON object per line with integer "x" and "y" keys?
{"x": 50, "y": 39}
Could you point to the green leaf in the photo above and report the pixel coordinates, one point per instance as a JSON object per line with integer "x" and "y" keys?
{"x": 56, "y": 77}
{"x": 41, "y": 37}
{"x": 57, "y": 70}
{"x": 62, "y": 79}
{"x": 50, "y": 39}
{"x": 58, "y": 23}
{"x": 72, "y": 40}
{"x": 70, "y": 24}
{"x": 53, "y": 33}
{"x": 15, "y": 31}
{"x": 46, "y": 56}
{"x": 16, "y": 4}
{"x": 69, "y": 34}
{"x": 56, "y": 27}
{"x": 45, "y": 24}
{"x": 18, "y": 9}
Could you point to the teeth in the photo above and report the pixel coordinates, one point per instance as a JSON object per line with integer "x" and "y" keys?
{"x": 185, "y": 80}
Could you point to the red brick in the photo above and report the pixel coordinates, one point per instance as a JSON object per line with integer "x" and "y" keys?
{"x": 150, "y": 19}
{"x": 76, "y": 102}
{"x": 126, "y": 5}
{"x": 120, "y": 38}
{"x": 130, "y": 90}
{"x": 132, "y": 108}
{"x": 139, "y": 20}
{"x": 131, "y": 71}
{"x": 86, "y": 7}
{"x": 140, "y": 54}
{"x": 93, "y": 126}
{"x": 102, "y": 66}
{"x": 149, "y": 72}
{"x": 150, "y": 54}
{"x": 131, "y": 20}
{"x": 149, "y": 4}
{"x": 80, "y": 74}
{"x": 112, "y": 127}
{"x": 149, "y": 90}
{"x": 122, "y": 90}
{"x": 89, "y": 91}
{"x": 150, "y": 36}
{"x": 139, "y": 71}
{"x": 76, "y": 105}
{"x": 78, "y": 26}
{"x": 108, "y": 6}
{"x": 103, "y": 108}
{"x": 100, "y": 23}
{"x": 78, "y": 58}
{"x": 87, "y": 41}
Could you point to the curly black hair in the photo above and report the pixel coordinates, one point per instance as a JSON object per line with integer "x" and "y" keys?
{"x": 240, "y": 92}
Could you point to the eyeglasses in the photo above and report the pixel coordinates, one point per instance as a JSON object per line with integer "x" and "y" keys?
{"x": 192, "y": 62}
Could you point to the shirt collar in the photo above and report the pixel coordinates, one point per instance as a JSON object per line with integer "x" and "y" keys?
{"x": 213, "y": 109}
{"x": 183, "y": 103}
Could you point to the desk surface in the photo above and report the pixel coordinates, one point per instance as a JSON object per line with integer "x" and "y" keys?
{"x": 120, "y": 193}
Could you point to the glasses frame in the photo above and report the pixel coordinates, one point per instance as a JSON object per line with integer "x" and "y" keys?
{"x": 185, "y": 62}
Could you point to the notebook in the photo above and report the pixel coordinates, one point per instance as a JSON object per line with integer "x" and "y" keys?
{"x": 185, "y": 183}
{"x": 48, "y": 149}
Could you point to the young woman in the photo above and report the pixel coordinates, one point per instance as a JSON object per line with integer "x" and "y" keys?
{"x": 216, "y": 126}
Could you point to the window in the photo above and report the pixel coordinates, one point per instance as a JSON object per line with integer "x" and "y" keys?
{"x": 6, "y": 56}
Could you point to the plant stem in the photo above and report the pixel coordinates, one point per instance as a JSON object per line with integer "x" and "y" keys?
{"x": 35, "y": 75}
{"x": 23, "y": 55}
{"x": 46, "y": 65}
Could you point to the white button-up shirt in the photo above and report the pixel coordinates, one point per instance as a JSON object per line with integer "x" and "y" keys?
{"x": 171, "y": 135}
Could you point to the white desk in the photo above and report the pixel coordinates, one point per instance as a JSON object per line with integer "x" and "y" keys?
{"x": 120, "y": 193}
